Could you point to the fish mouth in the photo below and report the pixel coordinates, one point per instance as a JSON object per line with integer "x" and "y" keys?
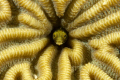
{"x": 59, "y": 43}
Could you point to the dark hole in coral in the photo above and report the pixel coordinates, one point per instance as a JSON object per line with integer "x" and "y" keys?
{"x": 18, "y": 76}
{"x": 55, "y": 29}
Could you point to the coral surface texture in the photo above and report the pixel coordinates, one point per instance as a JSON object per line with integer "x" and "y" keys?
{"x": 91, "y": 52}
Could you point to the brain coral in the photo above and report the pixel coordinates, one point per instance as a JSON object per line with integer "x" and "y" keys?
{"x": 91, "y": 52}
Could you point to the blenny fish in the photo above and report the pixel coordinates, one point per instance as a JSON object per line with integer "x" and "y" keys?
{"x": 60, "y": 36}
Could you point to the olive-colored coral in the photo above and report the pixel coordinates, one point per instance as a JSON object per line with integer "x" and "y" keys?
{"x": 93, "y": 11}
{"x": 91, "y": 52}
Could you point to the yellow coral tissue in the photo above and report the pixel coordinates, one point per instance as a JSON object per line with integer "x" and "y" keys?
{"x": 91, "y": 41}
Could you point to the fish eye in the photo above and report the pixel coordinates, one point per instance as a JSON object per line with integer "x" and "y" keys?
{"x": 53, "y": 35}
{"x": 65, "y": 36}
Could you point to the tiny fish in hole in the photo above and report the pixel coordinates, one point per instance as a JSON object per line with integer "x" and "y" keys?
{"x": 60, "y": 36}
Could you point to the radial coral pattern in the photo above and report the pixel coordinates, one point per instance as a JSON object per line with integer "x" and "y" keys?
{"x": 90, "y": 53}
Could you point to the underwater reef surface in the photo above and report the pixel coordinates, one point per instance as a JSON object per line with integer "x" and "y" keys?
{"x": 91, "y": 52}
